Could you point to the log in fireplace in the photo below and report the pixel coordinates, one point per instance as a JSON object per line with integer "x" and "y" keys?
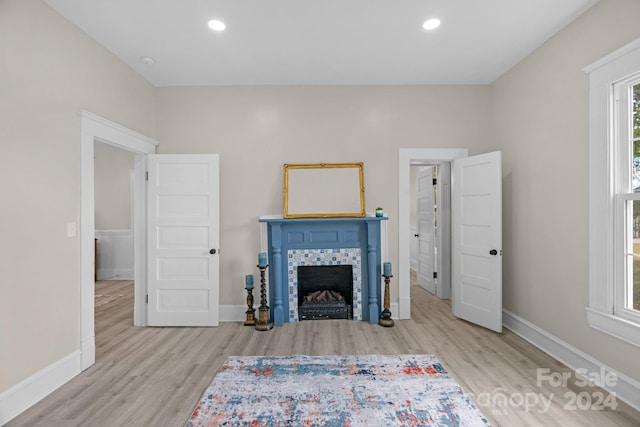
{"x": 325, "y": 292}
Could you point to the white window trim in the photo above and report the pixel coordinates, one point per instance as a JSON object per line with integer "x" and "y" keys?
{"x": 602, "y": 208}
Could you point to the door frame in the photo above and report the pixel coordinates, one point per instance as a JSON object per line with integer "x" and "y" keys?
{"x": 407, "y": 156}
{"x": 94, "y": 129}
{"x": 443, "y": 242}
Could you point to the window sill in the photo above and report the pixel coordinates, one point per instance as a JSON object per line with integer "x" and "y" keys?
{"x": 613, "y": 325}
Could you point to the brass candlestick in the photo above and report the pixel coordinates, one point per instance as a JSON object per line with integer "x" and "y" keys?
{"x": 385, "y": 316}
{"x": 264, "y": 322}
{"x": 251, "y": 312}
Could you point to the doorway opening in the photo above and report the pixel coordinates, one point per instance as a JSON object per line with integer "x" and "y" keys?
{"x": 476, "y": 238}
{"x": 96, "y": 129}
{"x": 407, "y": 157}
{"x": 431, "y": 227}
{"x": 114, "y": 260}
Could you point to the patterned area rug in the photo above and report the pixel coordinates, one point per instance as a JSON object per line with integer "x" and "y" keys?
{"x": 372, "y": 390}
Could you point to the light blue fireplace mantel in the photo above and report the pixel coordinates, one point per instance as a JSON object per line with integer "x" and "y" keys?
{"x": 286, "y": 236}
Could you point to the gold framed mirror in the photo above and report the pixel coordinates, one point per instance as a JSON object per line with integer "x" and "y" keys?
{"x": 324, "y": 190}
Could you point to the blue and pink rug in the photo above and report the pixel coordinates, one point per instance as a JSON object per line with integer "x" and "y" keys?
{"x": 341, "y": 391}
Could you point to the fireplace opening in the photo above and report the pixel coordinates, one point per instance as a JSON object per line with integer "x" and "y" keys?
{"x": 325, "y": 292}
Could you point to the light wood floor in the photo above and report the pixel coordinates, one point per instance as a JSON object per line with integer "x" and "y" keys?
{"x": 155, "y": 376}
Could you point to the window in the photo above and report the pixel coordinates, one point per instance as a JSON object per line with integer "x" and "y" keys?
{"x": 614, "y": 194}
{"x": 626, "y": 139}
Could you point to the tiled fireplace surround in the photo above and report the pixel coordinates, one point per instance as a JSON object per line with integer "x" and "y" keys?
{"x": 323, "y": 241}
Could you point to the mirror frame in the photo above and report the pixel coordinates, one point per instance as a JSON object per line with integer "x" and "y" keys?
{"x": 288, "y": 196}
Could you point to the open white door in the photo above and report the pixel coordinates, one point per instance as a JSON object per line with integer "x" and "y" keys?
{"x": 183, "y": 238}
{"x": 426, "y": 229}
{"x": 476, "y": 208}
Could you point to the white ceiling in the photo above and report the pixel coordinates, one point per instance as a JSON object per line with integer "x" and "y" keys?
{"x": 291, "y": 42}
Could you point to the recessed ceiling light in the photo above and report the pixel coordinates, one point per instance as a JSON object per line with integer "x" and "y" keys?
{"x": 431, "y": 24}
{"x": 216, "y": 25}
{"x": 147, "y": 60}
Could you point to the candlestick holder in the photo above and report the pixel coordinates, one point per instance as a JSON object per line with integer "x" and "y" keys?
{"x": 251, "y": 312}
{"x": 385, "y": 316}
{"x": 264, "y": 322}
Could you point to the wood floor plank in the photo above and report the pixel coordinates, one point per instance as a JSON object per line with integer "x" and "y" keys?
{"x": 155, "y": 376}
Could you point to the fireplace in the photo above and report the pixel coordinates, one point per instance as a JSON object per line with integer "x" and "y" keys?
{"x": 318, "y": 264}
{"x": 317, "y": 242}
{"x": 325, "y": 292}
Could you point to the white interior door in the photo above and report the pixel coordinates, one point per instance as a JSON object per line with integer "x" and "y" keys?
{"x": 183, "y": 238}
{"x": 477, "y": 240}
{"x": 426, "y": 229}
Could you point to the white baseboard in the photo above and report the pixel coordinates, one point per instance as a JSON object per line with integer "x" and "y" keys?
{"x": 394, "y": 309}
{"x": 115, "y": 274}
{"x": 88, "y": 356}
{"x": 233, "y": 313}
{"x": 28, "y": 392}
{"x": 406, "y": 304}
{"x": 626, "y": 389}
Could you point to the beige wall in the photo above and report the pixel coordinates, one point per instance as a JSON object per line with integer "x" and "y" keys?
{"x": 112, "y": 167}
{"x": 540, "y": 122}
{"x": 49, "y": 71}
{"x": 258, "y": 129}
